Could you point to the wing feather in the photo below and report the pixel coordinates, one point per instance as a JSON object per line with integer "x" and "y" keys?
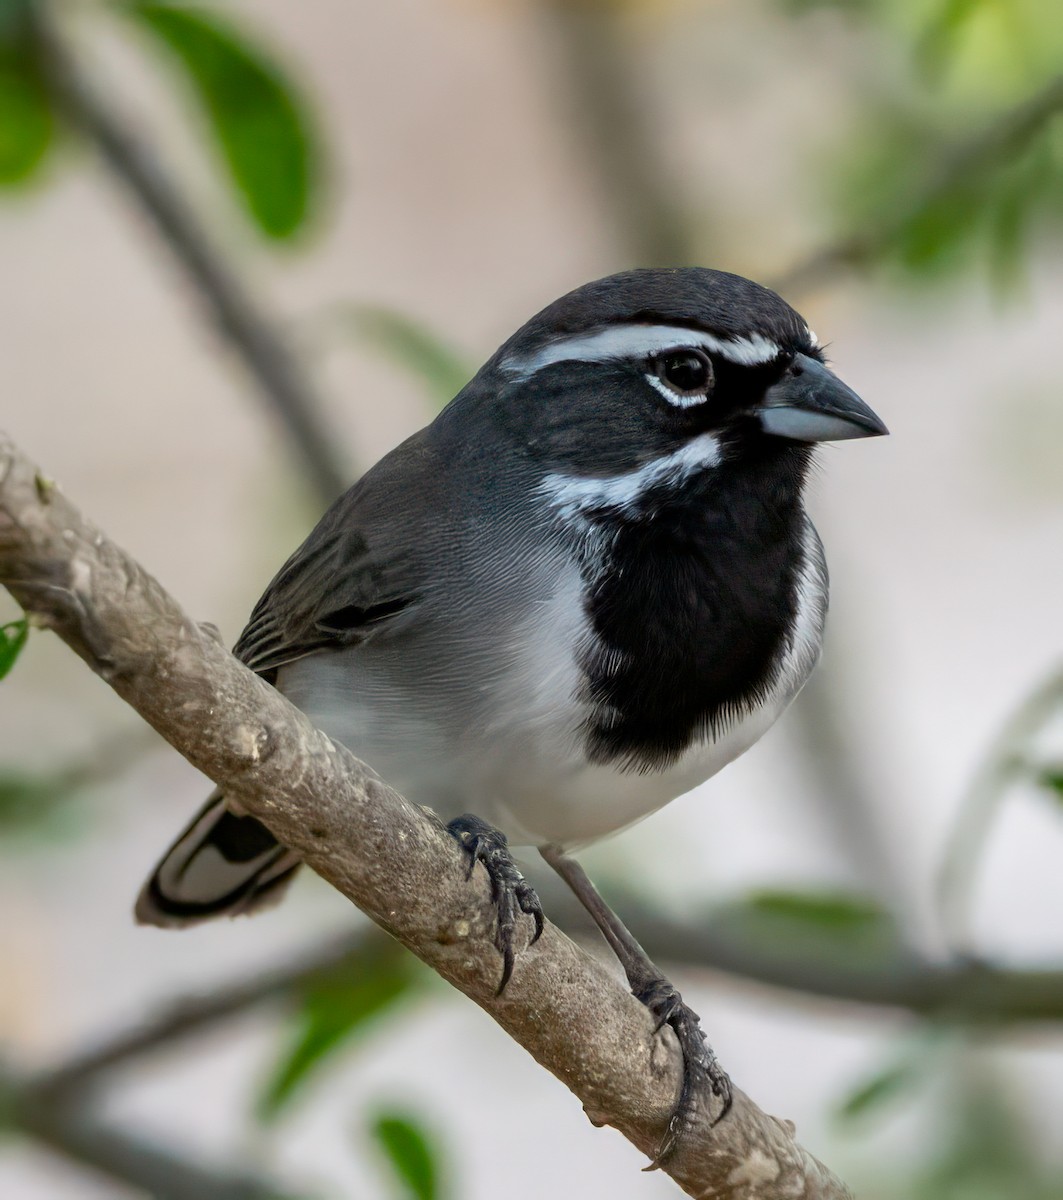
{"x": 353, "y": 577}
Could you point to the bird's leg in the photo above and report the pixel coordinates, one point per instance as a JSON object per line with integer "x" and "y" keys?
{"x": 649, "y": 985}
{"x": 511, "y": 892}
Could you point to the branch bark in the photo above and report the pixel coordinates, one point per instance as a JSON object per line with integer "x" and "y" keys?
{"x": 392, "y": 859}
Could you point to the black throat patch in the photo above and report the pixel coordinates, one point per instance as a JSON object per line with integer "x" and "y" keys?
{"x": 693, "y": 610}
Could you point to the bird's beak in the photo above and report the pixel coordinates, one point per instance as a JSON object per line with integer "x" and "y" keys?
{"x": 810, "y": 404}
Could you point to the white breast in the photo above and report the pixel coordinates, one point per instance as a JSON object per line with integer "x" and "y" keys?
{"x": 507, "y": 743}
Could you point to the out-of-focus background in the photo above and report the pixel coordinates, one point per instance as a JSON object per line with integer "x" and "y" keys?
{"x": 384, "y": 192}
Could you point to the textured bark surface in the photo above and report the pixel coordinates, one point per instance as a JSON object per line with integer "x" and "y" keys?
{"x": 392, "y": 859}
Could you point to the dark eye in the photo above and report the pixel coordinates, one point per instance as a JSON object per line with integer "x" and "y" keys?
{"x": 688, "y": 373}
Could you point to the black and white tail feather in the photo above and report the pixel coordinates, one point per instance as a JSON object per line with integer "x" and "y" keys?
{"x": 222, "y": 865}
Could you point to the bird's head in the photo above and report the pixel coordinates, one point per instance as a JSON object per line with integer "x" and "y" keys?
{"x": 647, "y": 379}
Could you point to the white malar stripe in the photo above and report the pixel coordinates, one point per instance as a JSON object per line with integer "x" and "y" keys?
{"x": 644, "y": 341}
{"x": 574, "y": 495}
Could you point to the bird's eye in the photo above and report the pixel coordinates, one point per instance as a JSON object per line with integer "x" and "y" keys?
{"x": 687, "y": 374}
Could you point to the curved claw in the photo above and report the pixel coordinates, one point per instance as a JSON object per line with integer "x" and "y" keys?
{"x": 510, "y": 891}
{"x": 700, "y": 1065}
{"x": 530, "y": 904}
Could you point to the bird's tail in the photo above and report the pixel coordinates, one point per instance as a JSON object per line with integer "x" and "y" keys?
{"x": 222, "y": 865}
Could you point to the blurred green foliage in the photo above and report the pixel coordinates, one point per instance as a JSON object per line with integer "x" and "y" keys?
{"x": 255, "y": 115}
{"x": 918, "y": 1056}
{"x": 1051, "y": 780}
{"x": 13, "y": 637}
{"x": 407, "y": 1149}
{"x": 957, "y": 161}
{"x": 981, "y": 1148}
{"x": 887, "y": 1084}
{"x": 987, "y": 1151}
{"x": 1015, "y": 762}
{"x": 410, "y": 345}
{"x": 811, "y": 927}
{"x": 27, "y": 121}
{"x": 333, "y": 1011}
{"x": 36, "y": 805}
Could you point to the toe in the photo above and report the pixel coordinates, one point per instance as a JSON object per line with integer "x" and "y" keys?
{"x": 511, "y": 893}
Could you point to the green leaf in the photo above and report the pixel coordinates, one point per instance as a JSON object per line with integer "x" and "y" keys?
{"x": 1051, "y": 779}
{"x": 261, "y": 125}
{"x": 984, "y": 1148}
{"x": 936, "y": 202}
{"x": 942, "y": 32}
{"x": 40, "y": 808}
{"x": 334, "y": 1010}
{"x": 27, "y": 122}
{"x": 13, "y": 637}
{"x": 1024, "y": 191}
{"x": 799, "y": 8}
{"x": 812, "y": 926}
{"x": 410, "y": 1154}
{"x": 879, "y": 1089}
{"x": 410, "y": 345}
{"x": 827, "y": 910}
{"x": 34, "y": 805}
{"x": 919, "y": 1059}
{"x": 13, "y": 15}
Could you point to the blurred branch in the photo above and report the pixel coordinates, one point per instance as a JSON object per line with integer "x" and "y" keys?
{"x": 193, "y": 1013}
{"x": 228, "y": 303}
{"x": 71, "y": 1127}
{"x": 617, "y": 140}
{"x": 395, "y": 861}
{"x": 850, "y": 808}
{"x": 1005, "y": 763}
{"x": 971, "y": 990}
{"x": 952, "y": 166}
{"x": 963, "y": 989}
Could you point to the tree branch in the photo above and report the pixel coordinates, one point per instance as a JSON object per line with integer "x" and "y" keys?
{"x": 228, "y": 304}
{"x": 1009, "y": 132}
{"x": 193, "y": 1013}
{"x": 966, "y": 990}
{"x": 73, "y": 1129}
{"x": 392, "y": 859}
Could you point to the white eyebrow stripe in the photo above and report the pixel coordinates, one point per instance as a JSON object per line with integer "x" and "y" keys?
{"x": 644, "y": 341}
{"x": 576, "y": 495}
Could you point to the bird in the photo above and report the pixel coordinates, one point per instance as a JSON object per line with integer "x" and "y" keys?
{"x": 584, "y": 588}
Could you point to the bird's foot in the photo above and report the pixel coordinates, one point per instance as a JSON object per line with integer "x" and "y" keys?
{"x": 700, "y": 1065}
{"x": 511, "y": 892}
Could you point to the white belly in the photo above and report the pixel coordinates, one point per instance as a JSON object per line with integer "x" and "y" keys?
{"x": 572, "y": 804}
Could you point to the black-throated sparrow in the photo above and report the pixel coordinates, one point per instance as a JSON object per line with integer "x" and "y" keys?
{"x": 587, "y": 586}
